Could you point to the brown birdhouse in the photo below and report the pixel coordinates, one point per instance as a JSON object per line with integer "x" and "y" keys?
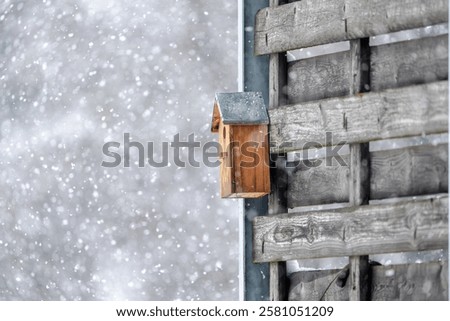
{"x": 241, "y": 121}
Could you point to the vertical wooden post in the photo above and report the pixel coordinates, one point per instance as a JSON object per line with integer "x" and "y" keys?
{"x": 278, "y": 282}
{"x": 279, "y": 285}
{"x": 359, "y": 168}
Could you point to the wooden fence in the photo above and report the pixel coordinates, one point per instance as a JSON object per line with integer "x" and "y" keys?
{"x": 358, "y": 96}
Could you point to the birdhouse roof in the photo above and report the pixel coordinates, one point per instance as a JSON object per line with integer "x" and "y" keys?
{"x": 245, "y": 108}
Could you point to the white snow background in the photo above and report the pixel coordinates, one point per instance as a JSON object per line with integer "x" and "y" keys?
{"x": 75, "y": 74}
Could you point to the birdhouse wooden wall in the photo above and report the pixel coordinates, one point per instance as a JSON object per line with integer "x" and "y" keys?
{"x": 244, "y": 169}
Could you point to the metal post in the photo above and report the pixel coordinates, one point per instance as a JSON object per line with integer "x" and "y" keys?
{"x": 253, "y": 76}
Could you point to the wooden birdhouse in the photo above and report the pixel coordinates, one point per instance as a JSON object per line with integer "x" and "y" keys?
{"x": 241, "y": 121}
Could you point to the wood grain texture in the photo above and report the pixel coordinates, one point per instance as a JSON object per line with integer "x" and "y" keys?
{"x": 359, "y": 188}
{"x": 324, "y": 184}
{"x": 410, "y": 171}
{"x": 359, "y": 195}
{"x": 409, "y": 63}
{"x": 250, "y": 159}
{"x": 359, "y": 191}
{"x": 245, "y": 162}
{"x": 403, "y": 112}
{"x": 364, "y": 230}
{"x": 277, "y": 80}
{"x": 300, "y": 24}
{"x": 374, "y": 17}
{"x": 359, "y": 278}
{"x": 279, "y": 183}
{"x": 314, "y": 22}
{"x": 410, "y": 282}
{"x": 278, "y": 281}
{"x": 227, "y": 186}
{"x": 424, "y": 281}
{"x": 319, "y": 77}
{"x": 320, "y": 285}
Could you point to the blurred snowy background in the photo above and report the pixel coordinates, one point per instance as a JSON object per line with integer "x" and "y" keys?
{"x": 75, "y": 74}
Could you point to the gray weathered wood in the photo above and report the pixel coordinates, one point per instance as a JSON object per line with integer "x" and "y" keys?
{"x": 359, "y": 191}
{"x": 321, "y": 285}
{"x": 359, "y": 167}
{"x": 403, "y": 112}
{"x": 300, "y": 24}
{"x": 319, "y": 77}
{"x": 410, "y": 282}
{"x": 314, "y": 22}
{"x": 277, "y": 80}
{"x": 359, "y": 153}
{"x": 375, "y": 17}
{"x": 359, "y": 195}
{"x": 278, "y": 281}
{"x": 364, "y": 230}
{"x": 409, "y": 63}
{"x": 279, "y": 182}
{"x": 424, "y": 281}
{"x": 324, "y": 184}
{"x": 410, "y": 171}
{"x": 359, "y": 278}
{"x": 277, "y": 200}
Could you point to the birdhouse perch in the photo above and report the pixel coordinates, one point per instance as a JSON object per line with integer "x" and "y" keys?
{"x": 241, "y": 121}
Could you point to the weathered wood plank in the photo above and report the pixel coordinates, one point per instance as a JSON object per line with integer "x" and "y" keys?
{"x": 359, "y": 195}
{"x": 409, "y": 63}
{"x": 277, "y": 80}
{"x": 279, "y": 283}
{"x": 370, "y": 229}
{"x": 319, "y": 77}
{"x": 403, "y": 112}
{"x": 410, "y": 171}
{"x": 359, "y": 278}
{"x": 375, "y": 17}
{"x": 314, "y": 22}
{"x": 359, "y": 191}
{"x": 410, "y": 282}
{"x": 359, "y": 167}
{"x": 321, "y": 285}
{"x": 417, "y": 170}
{"x": 277, "y": 200}
{"x": 324, "y": 184}
{"x": 279, "y": 183}
{"x": 359, "y": 153}
{"x": 424, "y": 281}
{"x": 299, "y": 24}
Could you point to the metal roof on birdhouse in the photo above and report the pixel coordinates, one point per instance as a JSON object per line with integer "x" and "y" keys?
{"x": 245, "y": 108}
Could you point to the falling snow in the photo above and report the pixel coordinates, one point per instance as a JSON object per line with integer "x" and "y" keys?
{"x": 77, "y": 74}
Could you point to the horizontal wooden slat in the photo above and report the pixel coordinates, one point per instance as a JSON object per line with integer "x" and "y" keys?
{"x": 324, "y": 184}
{"x": 410, "y": 282}
{"x": 375, "y": 17}
{"x": 319, "y": 77}
{"x": 402, "y": 112}
{"x": 370, "y": 229}
{"x": 410, "y": 171}
{"x": 425, "y": 281}
{"x": 320, "y": 285}
{"x": 409, "y": 63}
{"x": 314, "y": 22}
